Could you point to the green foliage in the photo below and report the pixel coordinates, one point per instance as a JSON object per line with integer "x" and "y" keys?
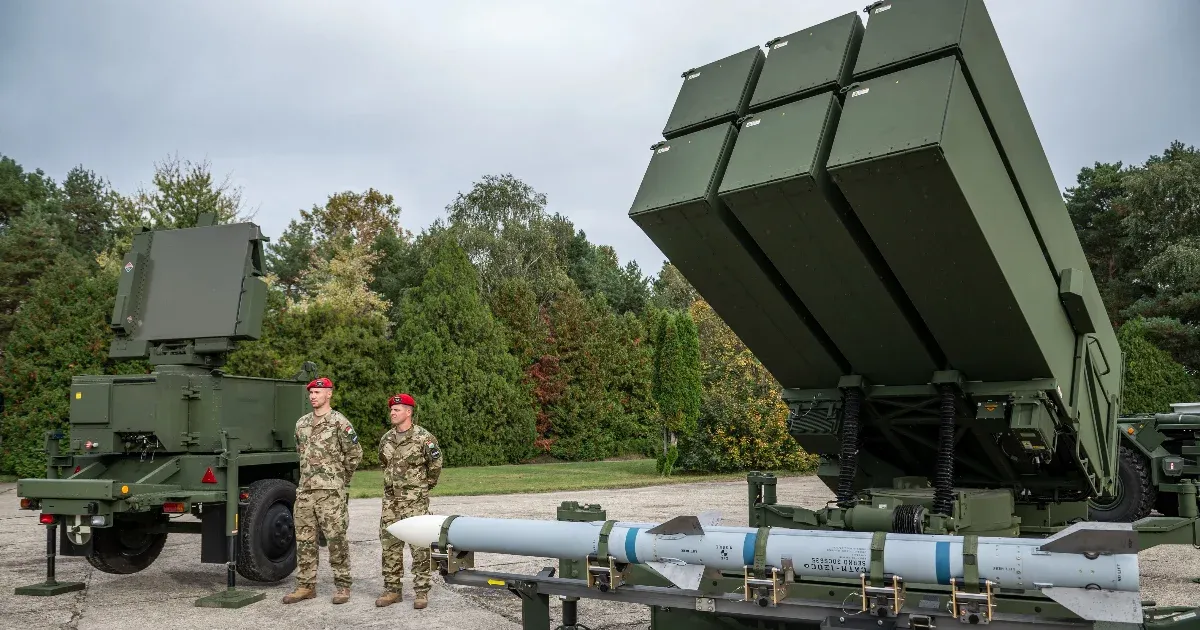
{"x": 1152, "y": 379}
{"x": 502, "y": 225}
{"x": 743, "y": 419}
{"x": 183, "y": 190}
{"x": 63, "y": 331}
{"x": 350, "y": 346}
{"x": 671, "y": 291}
{"x": 19, "y": 187}
{"x": 27, "y": 248}
{"x": 452, "y": 355}
{"x": 1140, "y": 229}
{"x": 676, "y": 383}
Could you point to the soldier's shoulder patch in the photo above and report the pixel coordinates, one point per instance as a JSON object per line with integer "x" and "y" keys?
{"x": 351, "y": 433}
{"x": 432, "y": 446}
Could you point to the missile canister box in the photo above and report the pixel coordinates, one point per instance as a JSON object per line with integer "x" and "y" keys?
{"x": 872, "y": 208}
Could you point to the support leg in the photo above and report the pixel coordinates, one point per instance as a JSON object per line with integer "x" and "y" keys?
{"x": 570, "y": 613}
{"x": 51, "y": 586}
{"x": 231, "y": 597}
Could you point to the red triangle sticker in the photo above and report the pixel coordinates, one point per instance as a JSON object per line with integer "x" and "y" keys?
{"x": 209, "y": 477}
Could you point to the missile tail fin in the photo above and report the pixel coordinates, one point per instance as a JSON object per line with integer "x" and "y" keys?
{"x": 711, "y": 518}
{"x": 685, "y": 525}
{"x": 1099, "y": 605}
{"x": 1093, "y": 537}
{"x": 685, "y": 576}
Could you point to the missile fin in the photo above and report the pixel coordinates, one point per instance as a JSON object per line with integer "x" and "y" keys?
{"x": 1099, "y": 605}
{"x": 711, "y": 518}
{"x": 1093, "y": 537}
{"x": 685, "y": 576}
{"x": 686, "y": 525}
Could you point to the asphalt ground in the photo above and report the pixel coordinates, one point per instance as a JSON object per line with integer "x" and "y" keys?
{"x": 164, "y": 594}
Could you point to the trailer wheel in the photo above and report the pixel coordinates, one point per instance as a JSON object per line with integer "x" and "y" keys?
{"x": 1135, "y": 494}
{"x": 267, "y": 540}
{"x": 126, "y": 547}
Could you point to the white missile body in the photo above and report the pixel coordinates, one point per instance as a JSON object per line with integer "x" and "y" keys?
{"x": 681, "y": 549}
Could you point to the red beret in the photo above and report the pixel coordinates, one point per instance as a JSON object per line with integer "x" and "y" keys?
{"x": 402, "y": 399}
{"x": 321, "y": 382}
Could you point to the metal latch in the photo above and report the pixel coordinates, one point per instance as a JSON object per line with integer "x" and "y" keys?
{"x": 972, "y": 608}
{"x": 886, "y": 601}
{"x": 451, "y": 560}
{"x": 605, "y": 574}
{"x": 766, "y": 591}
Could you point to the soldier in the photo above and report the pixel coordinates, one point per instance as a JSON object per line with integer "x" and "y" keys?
{"x": 329, "y": 455}
{"x": 411, "y": 464}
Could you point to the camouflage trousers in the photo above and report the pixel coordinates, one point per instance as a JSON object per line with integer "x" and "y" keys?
{"x": 393, "y": 548}
{"x": 326, "y": 511}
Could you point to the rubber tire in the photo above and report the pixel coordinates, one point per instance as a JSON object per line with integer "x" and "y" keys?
{"x": 265, "y": 524}
{"x": 110, "y": 555}
{"x": 1136, "y": 493}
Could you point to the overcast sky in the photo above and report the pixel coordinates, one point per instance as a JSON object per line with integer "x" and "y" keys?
{"x": 298, "y": 100}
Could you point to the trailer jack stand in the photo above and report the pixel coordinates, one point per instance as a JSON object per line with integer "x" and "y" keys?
{"x": 231, "y": 597}
{"x": 51, "y": 586}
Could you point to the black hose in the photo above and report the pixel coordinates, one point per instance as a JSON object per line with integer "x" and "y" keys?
{"x": 848, "y": 459}
{"x": 943, "y": 491}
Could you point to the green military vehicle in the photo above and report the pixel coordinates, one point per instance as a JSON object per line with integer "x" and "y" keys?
{"x": 186, "y": 439}
{"x": 870, "y": 210}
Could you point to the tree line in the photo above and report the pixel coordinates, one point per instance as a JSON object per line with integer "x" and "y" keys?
{"x": 521, "y": 339}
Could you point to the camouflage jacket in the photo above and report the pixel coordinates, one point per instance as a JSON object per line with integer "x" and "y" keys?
{"x": 412, "y": 464}
{"x": 329, "y": 451}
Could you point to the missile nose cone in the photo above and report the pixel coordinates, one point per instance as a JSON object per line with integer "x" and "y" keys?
{"x": 421, "y": 530}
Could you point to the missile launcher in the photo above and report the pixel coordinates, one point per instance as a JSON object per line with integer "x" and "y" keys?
{"x": 869, "y": 208}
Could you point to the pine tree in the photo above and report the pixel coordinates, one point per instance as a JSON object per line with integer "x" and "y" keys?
{"x": 27, "y": 248}
{"x": 453, "y": 356}
{"x": 62, "y": 332}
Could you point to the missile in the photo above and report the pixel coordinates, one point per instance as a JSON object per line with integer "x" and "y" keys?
{"x": 1090, "y": 568}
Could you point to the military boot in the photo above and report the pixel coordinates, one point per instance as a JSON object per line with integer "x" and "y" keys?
{"x": 421, "y": 601}
{"x": 342, "y": 595}
{"x": 301, "y": 592}
{"x": 388, "y": 598}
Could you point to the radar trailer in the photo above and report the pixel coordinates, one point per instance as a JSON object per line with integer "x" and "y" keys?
{"x": 143, "y": 450}
{"x": 869, "y": 208}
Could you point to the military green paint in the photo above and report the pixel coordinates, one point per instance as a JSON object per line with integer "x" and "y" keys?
{"x": 209, "y": 303}
{"x": 913, "y": 158}
{"x": 817, "y": 59}
{"x": 777, "y": 187}
{"x": 677, "y": 207}
{"x": 714, "y": 93}
{"x": 904, "y": 33}
{"x": 1073, "y": 289}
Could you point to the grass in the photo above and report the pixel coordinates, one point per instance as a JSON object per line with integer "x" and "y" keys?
{"x": 529, "y": 478}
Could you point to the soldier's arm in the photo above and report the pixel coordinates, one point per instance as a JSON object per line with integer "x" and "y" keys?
{"x": 433, "y": 458}
{"x": 352, "y": 452}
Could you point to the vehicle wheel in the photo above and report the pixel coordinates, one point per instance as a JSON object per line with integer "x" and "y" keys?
{"x": 267, "y": 540}
{"x": 1134, "y": 496}
{"x": 126, "y": 547}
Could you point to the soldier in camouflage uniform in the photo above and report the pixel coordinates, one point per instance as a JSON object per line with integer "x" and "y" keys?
{"x": 411, "y": 464}
{"x": 329, "y": 455}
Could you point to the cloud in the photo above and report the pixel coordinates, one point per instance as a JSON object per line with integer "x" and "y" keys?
{"x": 303, "y": 99}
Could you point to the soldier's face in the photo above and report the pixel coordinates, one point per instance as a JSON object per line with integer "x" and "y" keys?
{"x": 401, "y": 415}
{"x": 318, "y": 396}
